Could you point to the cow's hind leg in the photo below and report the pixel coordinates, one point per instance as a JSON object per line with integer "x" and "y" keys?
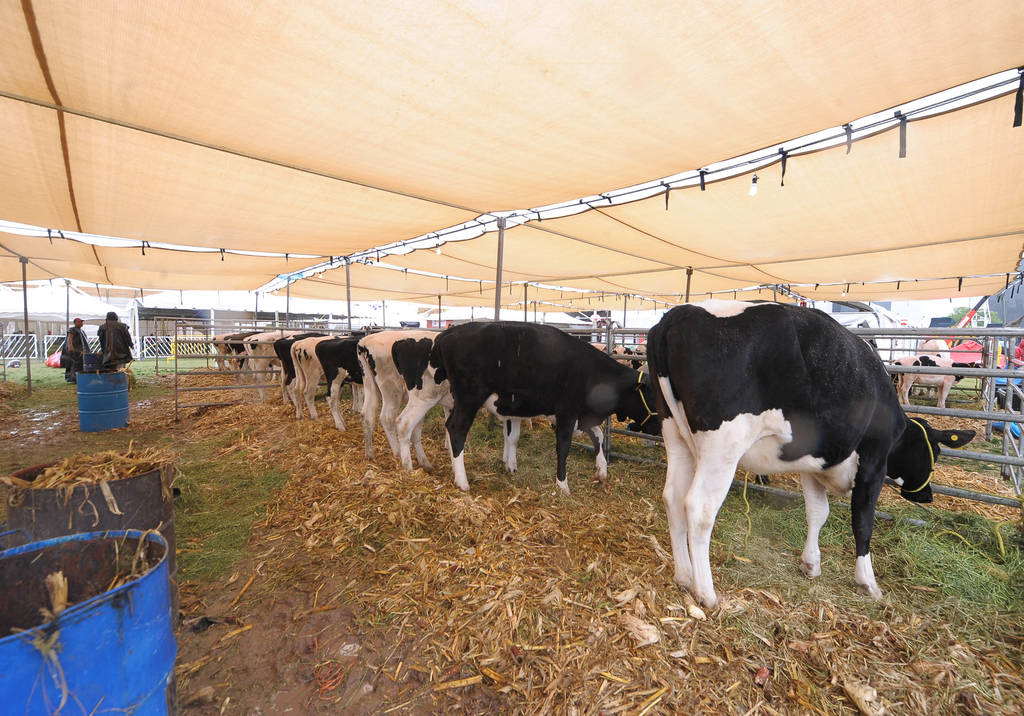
{"x": 677, "y": 483}
{"x": 309, "y": 394}
{"x": 513, "y": 428}
{"x": 333, "y": 402}
{"x": 371, "y": 403}
{"x": 816, "y": 507}
{"x": 409, "y": 429}
{"x": 719, "y": 452}
{"x": 458, "y": 424}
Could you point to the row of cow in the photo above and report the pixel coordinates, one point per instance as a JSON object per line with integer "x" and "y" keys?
{"x": 769, "y": 388}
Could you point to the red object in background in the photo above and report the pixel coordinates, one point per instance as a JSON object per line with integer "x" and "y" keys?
{"x": 54, "y": 360}
{"x": 967, "y": 352}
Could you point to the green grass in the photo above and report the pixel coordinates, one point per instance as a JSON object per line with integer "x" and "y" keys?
{"x": 49, "y": 391}
{"x": 221, "y": 499}
{"x": 924, "y": 570}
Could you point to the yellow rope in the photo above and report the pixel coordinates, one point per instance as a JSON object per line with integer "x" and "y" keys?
{"x": 931, "y": 455}
{"x": 746, "y": 509}
{"x": 640, "y": 392}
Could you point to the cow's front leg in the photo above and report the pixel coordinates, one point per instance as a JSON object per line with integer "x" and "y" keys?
{"x": 816, "y": 507}
{"x": 866, "y": 486}
{"x": 564, "y": 427}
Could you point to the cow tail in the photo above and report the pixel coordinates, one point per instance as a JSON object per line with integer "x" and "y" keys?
{"x": 437, "y": 363}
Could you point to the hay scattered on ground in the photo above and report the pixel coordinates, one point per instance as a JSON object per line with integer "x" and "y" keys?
{"x": 510, "y": 598}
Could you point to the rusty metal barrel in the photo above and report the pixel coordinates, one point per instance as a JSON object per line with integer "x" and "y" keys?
{"x": 142, "y": 502}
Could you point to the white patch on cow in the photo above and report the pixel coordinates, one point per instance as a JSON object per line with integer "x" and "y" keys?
{"x": 722, "y": 308}
{"x": 816, "y": 508}
{"x": 865, "y": 578}
{"x": 459, "y": 468}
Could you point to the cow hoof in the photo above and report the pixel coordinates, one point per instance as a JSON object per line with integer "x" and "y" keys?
{"x": 464, "y": 485}
{"x": 810, "y": 569}
{"x": 709, "y": 601}
{"x": 870, "y": 590}
{"x": 563, "y": 485}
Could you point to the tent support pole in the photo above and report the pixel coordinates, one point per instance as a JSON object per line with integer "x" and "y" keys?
{"x": 67, "y": 307}
{"x": 497, "y": 277}
{"x": 439, "y": 311}
{"x": 348, "y": 294}
{"x": 689, "y": 274}
{"x": 288, "y": 303}
{"x": 24, "y": 296}
{"x": 526, "y": 304}
{"x": 624, "y": 300}
{"x": 384, "y": 313}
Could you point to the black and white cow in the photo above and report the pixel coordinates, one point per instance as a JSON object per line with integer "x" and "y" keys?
{"x": 231, "y": 350}
{"x": 260, "y": 354}
{"x": 774, "y": 388}
{"x": 386, "y": 385}
{"x": 337, "y": 358}
{"x": 534, "y": 370}
{"x": 942, "y": 383}
{"x": 308, "y": 372}
{"x": 283, "y": 350}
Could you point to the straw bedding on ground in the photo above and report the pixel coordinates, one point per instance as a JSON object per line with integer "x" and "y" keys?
{"x": 513, "y": 598}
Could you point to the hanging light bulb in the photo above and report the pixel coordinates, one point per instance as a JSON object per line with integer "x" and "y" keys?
{"x": 753, "y": 185}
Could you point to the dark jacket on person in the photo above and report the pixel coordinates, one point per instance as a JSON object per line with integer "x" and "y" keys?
{"x": 76, "y": 340}
{"x": 115, "y": 342}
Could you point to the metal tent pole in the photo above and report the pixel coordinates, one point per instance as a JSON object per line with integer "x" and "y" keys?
{"x": 288, "y": 303}
{"x": 24, "y": 295}
{"x": 384, "y": 312}
{"x": 689, "y": 274}
{"x": 67, "y": 307}
{"x": 497, "y": 278}
{"x": 624, "y": 299}
{"x": 439, "y": 310}
{"x": 526, "y": 304}
{"x": 348, "y": 294}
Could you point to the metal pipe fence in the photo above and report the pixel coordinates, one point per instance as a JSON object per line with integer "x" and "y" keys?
{"x": 192, "y": 339}
{"x": 996, "y": 343}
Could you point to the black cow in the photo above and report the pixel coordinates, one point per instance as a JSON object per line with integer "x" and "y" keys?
{"x": 777, "y": 388}
{"x": 534, "y": 370}
{"x": 283, "y": 350}
{"x": 338, "y": 360}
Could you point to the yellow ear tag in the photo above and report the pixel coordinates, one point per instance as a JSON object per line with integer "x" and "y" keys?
{"x": 953, "y": 438}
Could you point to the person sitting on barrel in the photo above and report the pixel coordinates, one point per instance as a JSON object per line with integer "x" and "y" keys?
{"x": 74, "y": 348}
{"x": 115, "y": 343}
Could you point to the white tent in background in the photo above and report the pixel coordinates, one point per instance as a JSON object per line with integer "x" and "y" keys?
{"x": 49, "y": 304}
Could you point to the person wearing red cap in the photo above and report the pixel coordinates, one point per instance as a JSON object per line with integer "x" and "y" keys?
{"x": 74, "y": 348}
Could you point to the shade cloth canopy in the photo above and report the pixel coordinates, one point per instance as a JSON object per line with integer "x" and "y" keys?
{"x": 152, "y": 268}
{"x": 327, "y": 128}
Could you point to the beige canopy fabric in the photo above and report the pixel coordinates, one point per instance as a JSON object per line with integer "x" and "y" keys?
{"x": 321, "y": 127}
{"x": 156, "y": 269}
{"x": 953, "y": 207}
{"x": 324, "y": 128}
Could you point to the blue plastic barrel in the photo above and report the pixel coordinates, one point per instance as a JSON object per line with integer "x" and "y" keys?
{"x": 92, "y": 362}
{"x": 111, "y": 653}
{"x": 102, "y": 401}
